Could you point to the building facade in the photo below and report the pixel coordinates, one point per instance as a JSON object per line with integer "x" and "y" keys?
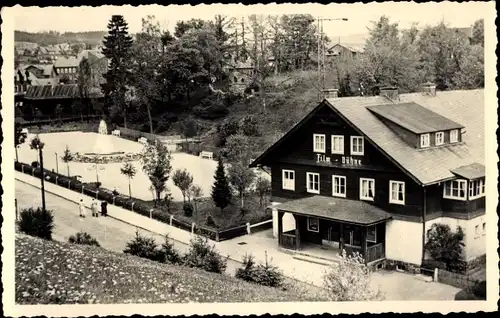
{"x": 372, "y": 174}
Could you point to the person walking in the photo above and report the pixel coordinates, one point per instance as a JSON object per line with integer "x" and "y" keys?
{"x": 81, "y": 207}
{"x": 94, "y": 208}
{"x": 104, "y": 208}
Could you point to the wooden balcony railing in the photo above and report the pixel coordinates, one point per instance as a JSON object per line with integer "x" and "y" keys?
{"x": 350, "y": 249}
{"x": 375, "y": 252}
{"x": 288, "y": 241}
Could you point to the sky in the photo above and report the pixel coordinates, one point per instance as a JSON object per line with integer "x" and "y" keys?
{"x": 62, "y": 19}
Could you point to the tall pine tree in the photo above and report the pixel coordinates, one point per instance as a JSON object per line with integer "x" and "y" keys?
{"x": 221, "y": 193}
{"x": 117, "y": 48}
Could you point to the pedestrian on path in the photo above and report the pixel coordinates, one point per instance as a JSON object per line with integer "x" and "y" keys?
{"x": 104, "y": 208}
{"x": 81, "y": 206}
{"x": 94, "y": 208}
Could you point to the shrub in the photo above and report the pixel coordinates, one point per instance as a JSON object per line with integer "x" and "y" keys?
{"x": 262, "y": 274}
{"x": 202, "y": 255}
{"x": 168, "y": 253}
{"x": 446, "y": 246}
{"x": 226, "y": 129}
{"x": 37, "y": 222}
{"x": 250, "y": 126}
{"x": 188, "y": 209}
{"x": 144, "y": 247}
{"x": 83, "y": 238}
{"x": 479, "y": 290}
{"x": 210, "y": 221}
{"x": 35, "y": 164}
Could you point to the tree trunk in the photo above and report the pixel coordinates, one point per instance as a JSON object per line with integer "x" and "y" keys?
{"x": 242, "y": 200}
{"x": 150, "y": 119}
{"x": 129, "y": 189}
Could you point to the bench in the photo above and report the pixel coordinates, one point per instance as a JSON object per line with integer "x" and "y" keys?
{"x": 207, "y": 155}
{"x": 143, "y": 141}
{"x": 116, "y": 133}
{"x": 25, "y": 131}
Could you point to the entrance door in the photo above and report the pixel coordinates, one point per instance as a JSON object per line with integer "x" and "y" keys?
{"x": 352, "y": 238}
{"x": 331, "y": 235}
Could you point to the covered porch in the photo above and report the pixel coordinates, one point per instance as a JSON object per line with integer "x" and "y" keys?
{"x": 334, "y": 225}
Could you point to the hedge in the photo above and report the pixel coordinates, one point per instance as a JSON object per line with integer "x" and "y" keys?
{"x": 136, "y": 205}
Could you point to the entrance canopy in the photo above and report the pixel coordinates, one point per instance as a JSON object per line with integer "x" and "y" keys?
{"x": 343, "y": 210}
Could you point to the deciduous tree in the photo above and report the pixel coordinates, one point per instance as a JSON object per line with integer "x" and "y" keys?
{"x": 241, "y": 178}
{"x": 183, "y": 180}
{"x": 155, "y": 161}
{"x": 445, "y": 246}
{"x": 67, "y": 157}
{"x": 129, "y": 171}
{"x": 19, "y": 136}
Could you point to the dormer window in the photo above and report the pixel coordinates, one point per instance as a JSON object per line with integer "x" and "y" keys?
{"x": 453, "y": 135}
{"x": 439, "y": 138}
{"x": 425, "y": 140}
{"x": 319, "y": 143}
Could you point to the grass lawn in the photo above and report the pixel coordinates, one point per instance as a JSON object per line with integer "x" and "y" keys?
{"x": 49, "y": 272}
{"x": 230, "y": 217}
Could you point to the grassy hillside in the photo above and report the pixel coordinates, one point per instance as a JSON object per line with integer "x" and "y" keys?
{"x": 61, "y": 273}
{"x": 50, "y": 38}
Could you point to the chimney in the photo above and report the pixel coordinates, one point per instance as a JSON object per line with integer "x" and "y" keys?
{"x": 331, "y": 93}
{"x": 429, "y": 89}
{"x": 390, "y": 92}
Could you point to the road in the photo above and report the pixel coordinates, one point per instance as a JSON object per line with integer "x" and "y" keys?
{"x": 112, "y": 234}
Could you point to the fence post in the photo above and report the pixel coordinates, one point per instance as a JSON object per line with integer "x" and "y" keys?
{"x": 22, "y": 168}
{"x": 171, "y": 217}
{"x": 435, "y": 278}
{"x": 69, "y": 182}
{"x": 82, "y": 188}
{"x": 151, "y": 213}
{"x": 33, "y": 172}
{"x": 248, "y": 228}
{"x": 97, "y": 195}
{"x": 192, "y": 227}
{"x": 114, "y": 196}
{"x": 133, "y": 206}
{"x": 56, "y": 179}
{"x": 217, "y": 236}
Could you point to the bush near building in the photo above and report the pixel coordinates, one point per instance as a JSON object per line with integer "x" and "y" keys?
{"x": 262, "y": 274}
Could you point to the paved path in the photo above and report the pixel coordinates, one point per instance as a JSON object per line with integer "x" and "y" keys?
{"x": 395, "y": 286}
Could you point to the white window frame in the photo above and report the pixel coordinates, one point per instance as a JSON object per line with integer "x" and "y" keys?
{"x": 312, "y": 174}
{"x": 453, "y": 136}
{"x": 396, "y": 201}
{"x": 358, "y": 153}
{"x": 479, "y": 185}
{"x": 439, "y": 141}
{"x": 341, "y": 143}
{"x": 315, "y": 149}
{"x": 368, "y": 181}
{"x": 423, "y": 138}
{"x": 334, "y": 183}
{"x": 375, "y": 228}
{"x": 309, "y": 224}
{"x": 285, "y": 185}
{"x": 451, "y": 196}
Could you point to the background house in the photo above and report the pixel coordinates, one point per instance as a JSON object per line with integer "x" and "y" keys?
{"x": 344, "y": 51}
{"x": 67, "y": 69}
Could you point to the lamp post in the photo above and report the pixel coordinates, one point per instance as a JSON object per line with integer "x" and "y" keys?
{"x": 57, "y": 164}
{"x": 37, "y": 144}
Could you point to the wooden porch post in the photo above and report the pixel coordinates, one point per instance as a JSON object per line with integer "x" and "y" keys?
{"x": 341, "y": 240}
{"x": 297, "y": 233}
{"x": 280, "y": 226}
{"x": 364, "y": 234}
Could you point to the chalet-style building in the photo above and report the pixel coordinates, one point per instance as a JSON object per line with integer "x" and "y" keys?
{"x": 344, "y": 51}
{"x": 372, "y": 174}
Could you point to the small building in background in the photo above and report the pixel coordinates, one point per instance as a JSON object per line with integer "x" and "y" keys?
{"x": 346, "y": 51}
{"x": 67, "y": 69}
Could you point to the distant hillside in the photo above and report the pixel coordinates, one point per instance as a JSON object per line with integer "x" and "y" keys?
{"x": 353, "y": 39}
{"x": 51, "y": 37}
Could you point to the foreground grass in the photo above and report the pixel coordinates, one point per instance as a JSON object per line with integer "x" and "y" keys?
{"x": 49, "y": 272}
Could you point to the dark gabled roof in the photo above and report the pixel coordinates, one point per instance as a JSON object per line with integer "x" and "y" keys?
{"x": 56, "y": 92}
{"x": 427, "y": 166}
{"x": 470, "y": 172}
{"x": 414, "y": 117}
{"x": 350, "y": 211}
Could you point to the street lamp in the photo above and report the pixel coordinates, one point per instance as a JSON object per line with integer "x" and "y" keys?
{"x": 57, "y": 164}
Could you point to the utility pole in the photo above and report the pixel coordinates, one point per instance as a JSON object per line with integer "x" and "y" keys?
{"x": 322, "y": 53}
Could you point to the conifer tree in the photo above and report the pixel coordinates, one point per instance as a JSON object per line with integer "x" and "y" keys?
{"x": 221, "y": 192}
{"x": 117, "y": 49}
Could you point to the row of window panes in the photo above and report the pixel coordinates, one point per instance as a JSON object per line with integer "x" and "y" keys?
{"x": 68, "y": 70}
{"x": 457, "y": 189}
{"x": 371, "y": 235}
{"x": 339, "y": 188}
{"x": 357, "y": 144}
{"x": 425, "y": 139}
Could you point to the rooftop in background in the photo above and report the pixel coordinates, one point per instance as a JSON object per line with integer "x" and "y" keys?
{"x": 61, "y": 91}
{"x": 66, "y": 62}
{"x": 414, "y": 117}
